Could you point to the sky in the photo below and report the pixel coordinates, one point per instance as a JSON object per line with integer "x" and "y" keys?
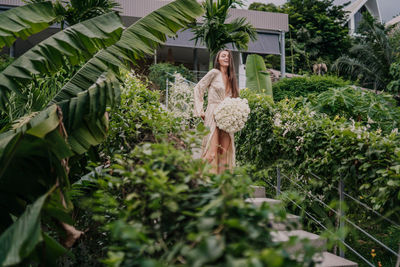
{"x": 388, "y": 8}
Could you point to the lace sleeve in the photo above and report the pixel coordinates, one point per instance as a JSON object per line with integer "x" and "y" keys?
{"x": 199, "y": 92}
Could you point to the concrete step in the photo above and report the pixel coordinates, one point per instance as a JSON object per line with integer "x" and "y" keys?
{"x": 259, "y": 200}
{"x": 258, "y": 191}
{"x": 291, "y": 226}
{"x": 291, "y": 222}
{"x": 290, "y": 219}
{"x": 284, "y": 236}
{"x": 331, "y": 260}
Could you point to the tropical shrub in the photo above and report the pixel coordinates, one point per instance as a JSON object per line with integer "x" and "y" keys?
{"x": 160, "y": 207}
{"x": 378, "y": 111}
{"x": 161, "y": 71}
{"x": 394, "y": 85}
{"x": 311, "y": 38}
{"x": 139, "y": 118}
{"x": 156, "y": 205}
{"x": 373, "y": 52}
{"x": 309, "y": 141}
{"x": 302, "y": 86}
{"x": 37, "y": 94}
{"x": 305, "y": 143}
{"x": 35, "y": 151}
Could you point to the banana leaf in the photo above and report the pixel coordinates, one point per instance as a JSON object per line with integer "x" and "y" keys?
{"x": 257, "y": 77}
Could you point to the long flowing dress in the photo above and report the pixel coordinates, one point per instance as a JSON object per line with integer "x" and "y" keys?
{"x": 213, "y": 81}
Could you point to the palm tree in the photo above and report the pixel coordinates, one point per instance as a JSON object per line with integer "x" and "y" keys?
{"x": 216, "y": 34}
{"x": 75, "y": 11}
{"x": 371, "y": 56}
{"x": 34, "y": 152}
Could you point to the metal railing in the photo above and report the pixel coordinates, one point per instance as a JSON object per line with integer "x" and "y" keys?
{"x": 340, "y": 213}
{"x": 167, "y": 86}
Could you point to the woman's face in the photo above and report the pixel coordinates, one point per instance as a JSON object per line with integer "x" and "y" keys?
{"x": 223, "y": 59}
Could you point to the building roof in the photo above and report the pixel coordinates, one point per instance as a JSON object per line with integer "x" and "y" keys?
{"x": 262, "y": 21}
{"x": 266, "y": 43}
{"x": 355, "y": 5}
{"x": 393, "y": 21}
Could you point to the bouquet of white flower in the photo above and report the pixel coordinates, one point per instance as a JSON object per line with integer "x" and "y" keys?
{"x": 231, "y": 114}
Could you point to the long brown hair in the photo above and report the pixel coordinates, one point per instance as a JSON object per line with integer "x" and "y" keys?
{"x": 231, "y": 72}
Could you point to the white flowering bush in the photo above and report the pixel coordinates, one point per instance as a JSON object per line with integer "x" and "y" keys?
{"x": 231, "y": 114}
{"x": 307, "y": 144}
{"x": 181, "y": 99}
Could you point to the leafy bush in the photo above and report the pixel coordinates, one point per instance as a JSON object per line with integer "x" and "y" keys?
{"x": 155, "y": 205}
{"x": 293, "y": 135}
{"x": 159, "y": 74}
{"x": 291, "y": 131}
{"x": 160, "y": 207}
{"x": 375, "y": 110}
{"x": 302, "y": 86}
{"x": 139, "y": 118}
{"x": 394, "y": 85}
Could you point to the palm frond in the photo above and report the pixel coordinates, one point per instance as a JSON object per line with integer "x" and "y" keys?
{"x": 136, "y": 41}
{"x": 74, "y": 44}
{"x": 23, "y": 21}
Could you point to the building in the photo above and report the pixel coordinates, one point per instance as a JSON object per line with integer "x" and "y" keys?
{"x": 355, "y": 8}
{"x": 394, "y": 21}
{"x": 271, "y": 28}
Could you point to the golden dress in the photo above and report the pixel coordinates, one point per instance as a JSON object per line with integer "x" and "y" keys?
{"x": 215, "y": 85}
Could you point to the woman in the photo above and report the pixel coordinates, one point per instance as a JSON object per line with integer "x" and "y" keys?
{"x": 218, "y": 146}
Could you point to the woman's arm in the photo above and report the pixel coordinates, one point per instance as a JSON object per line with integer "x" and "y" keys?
{"x": 199, "y": 92}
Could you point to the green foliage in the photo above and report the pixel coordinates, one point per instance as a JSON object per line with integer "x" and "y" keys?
{"x": 264, "y": 7}
{"x": 257, "y": 77}
{"x": 24, "y": 21}
{"x": 5, "y": 60}
{"x": 316, "y": 31}
{"x": 156, "y": 205}
{"x": 34, "y": 152}
{"x": 215, "y": 33}
{"x": 37, "y": 94}
{"x": 139, "y": 118}
{"x": 162, "y": 208}
{"x": 76, "y": 11}
{"x": 20, "y": 240}
{"x": 309, "y": 141}
{"x": 302, "y": 86}
{"x": 394, "y": 85}
{"x": 376, "y": 111}
{"x": 158, "y": 74}
{"x": 292, "y": 135}
{"x": 371, "y": 55}
{"x": 84, "y": 40}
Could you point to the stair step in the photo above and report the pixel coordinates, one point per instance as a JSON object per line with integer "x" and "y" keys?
{"x": 290, "y": 219}
{"x": 331, "y": 260}
{"x": 283, "y": 236}
{"x": 258, "y": 191}
{"x": 285, "y": 226}
{"x": 291, "y": 222}
{"x": 259, "y": 200}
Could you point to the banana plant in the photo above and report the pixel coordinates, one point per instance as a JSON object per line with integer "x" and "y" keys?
{"x": 257, "y": 76}
{"x": 24, "y": 21}
{"x": 35, "y": 151}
